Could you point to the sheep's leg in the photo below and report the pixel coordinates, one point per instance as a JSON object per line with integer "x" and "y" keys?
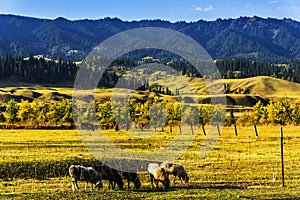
{"x": 174, "y": 179}
{"x": 151, "y": 180}
{"x": 76, "y": 185}
{"x": 73, "y": 186}
{"x": 85, "y": 188}
{"x": 128, "y": 184}
{"x": 111, "y": 185}
{"x": 156, "y": 182}
{"x": 181, "y": 179}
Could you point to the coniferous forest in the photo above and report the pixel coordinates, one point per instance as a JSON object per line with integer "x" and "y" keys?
{"x": 37, "y": 70}
{"x": 44, "y": 71}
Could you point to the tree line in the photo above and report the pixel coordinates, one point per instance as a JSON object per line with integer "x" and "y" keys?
{"x": 277, "y": 112}
{"x": 43, "y": 71}
{"x": 245, "y": 68}
{"x": 152, "y": 114}
{"x": 37, "y": 70}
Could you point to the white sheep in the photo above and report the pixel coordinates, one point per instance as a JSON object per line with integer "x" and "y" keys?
{"x": 176, "y": 169}
{"x": 87, "y": 174}
{"x": 158, "y": 174}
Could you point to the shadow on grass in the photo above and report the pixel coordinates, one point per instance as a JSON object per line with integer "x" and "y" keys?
{"x": 215, "y": 186}
{"x": 192, "y": 186}
{"x": 153, "y": 190}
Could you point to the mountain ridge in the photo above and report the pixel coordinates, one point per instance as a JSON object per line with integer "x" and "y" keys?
{"x": 249, "y": 37}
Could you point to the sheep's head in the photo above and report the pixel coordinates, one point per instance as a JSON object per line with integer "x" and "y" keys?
{"x": 120, "y": 183}
{"x": 167, "y": 183}
{"x": 137, "y": 184}
{"x": 186, "y": 178}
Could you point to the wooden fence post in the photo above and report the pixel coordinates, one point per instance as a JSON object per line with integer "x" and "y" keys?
{"x": 235, "y": 130}
{"x": 282, "y": 161}
{"x": 218, "y": 130}
{"x": 255, "y": 130}
{"x": 203, "y": 130}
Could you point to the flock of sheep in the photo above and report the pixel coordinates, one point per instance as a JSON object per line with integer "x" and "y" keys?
{"x": 95, "y": 175}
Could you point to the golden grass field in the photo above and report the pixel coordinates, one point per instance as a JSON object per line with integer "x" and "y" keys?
{"x": 238, "y": 167}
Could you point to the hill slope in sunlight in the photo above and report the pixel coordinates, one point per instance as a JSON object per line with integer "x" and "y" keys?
{"x": 240, "y": 92}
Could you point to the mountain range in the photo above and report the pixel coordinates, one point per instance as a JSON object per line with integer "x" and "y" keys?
{"x": 249, "y": 37}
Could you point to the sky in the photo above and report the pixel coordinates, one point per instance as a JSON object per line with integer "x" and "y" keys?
{"x": 170, "y": 10}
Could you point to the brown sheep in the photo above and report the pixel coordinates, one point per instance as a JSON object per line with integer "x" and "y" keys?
{"x": 131, "y": 177}
{"x": 81, "y": 173}
{"x": 110, "y": 174}
{"x": 176, "y": 169}
{"x": 158, "y": 174}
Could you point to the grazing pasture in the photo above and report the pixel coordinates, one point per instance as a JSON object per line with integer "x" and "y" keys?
{"x": 34, "y": 165}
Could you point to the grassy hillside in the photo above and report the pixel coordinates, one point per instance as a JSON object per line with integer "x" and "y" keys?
{"x": 244, "y": 92}
{"x": 265, "y": 86}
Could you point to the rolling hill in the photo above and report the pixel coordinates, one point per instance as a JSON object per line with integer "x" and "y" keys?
{"x": 264, "y": 86}
{"x": 251, "y": 91}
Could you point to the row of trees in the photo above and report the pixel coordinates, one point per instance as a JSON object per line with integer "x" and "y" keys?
{"x": 36, "y": 114}
{"x": 278, "y": 112}
{"x": 152, "y": 114}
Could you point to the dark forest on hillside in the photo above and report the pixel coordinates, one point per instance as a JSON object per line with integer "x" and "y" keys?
{"x": 43, "y": 71}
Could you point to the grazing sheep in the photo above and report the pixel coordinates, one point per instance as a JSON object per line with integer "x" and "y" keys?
{"x": 158, "y": 174}
{"x": 110, "y": 174}
{"x": 131, "y": 177}
{"x": 87, "y": 174}
{"x": 176, "y": 169}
